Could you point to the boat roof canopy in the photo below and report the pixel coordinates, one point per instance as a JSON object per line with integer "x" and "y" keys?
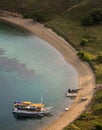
{"x": 37, "y": 105}
{"x": 28, "y": 103}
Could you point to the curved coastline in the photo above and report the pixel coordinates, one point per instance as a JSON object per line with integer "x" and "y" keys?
{"x": 85, "y": 75}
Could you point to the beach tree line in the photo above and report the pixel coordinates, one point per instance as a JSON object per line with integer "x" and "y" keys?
{"x": 38, "y": 15}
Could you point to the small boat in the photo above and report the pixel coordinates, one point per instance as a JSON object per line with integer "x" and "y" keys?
{"x": 72, "y": 90}
{"x": 29, "y": 109}
{"x": 66, "y": 108}
{"x": 71, "y": 94}
{"x": 84, "y": 98}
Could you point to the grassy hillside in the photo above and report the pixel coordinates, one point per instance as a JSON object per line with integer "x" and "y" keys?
{"x": 51, "y": 7}
{"x": 68, "y": 25}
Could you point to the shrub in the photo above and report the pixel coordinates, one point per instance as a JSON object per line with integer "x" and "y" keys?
{"x": 84, "y": 42}
{"x": 97, "y": 15}
{"x": 72, "y": 127}
{"x": 26, "y": 16}
{"x": 83, "y": 117}
{"x": 99, "y": 57}
{"x": 88, "y": 20}
{"x": 39, "y": 16}
{"x": 98, "y": 126}
{"x": 85, "y": 56}
{"x": 94, "y": 17}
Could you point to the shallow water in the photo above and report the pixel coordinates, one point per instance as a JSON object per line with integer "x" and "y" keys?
{"x": 29, "y": 68}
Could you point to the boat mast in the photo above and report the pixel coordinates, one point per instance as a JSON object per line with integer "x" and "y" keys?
{"x": 41, "y": 99}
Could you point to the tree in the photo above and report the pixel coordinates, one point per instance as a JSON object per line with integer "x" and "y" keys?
{"x": 93, "y": 18}
{"x": 97, "y": 15}
{"x": 39, "y": 16}
{"x": 83, "y": 42}
{"x": 98, "y": 126}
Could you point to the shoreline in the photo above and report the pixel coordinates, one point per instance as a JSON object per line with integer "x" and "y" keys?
{"x": 85, "y": 74}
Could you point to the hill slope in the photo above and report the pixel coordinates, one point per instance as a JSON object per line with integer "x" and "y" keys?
{"x": 68, "y": 25}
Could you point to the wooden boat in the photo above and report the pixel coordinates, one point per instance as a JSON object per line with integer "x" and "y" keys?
{"x": 29, "y": 109}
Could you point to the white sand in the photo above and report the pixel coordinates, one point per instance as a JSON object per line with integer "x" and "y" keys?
{"x": 86, "y": 76}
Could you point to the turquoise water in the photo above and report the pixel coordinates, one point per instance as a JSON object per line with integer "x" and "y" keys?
{"x": 29, "y": 68}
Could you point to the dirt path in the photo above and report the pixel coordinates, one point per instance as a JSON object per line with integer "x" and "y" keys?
{"x": 86, "y": 76}
{"x": 75, "y": 6}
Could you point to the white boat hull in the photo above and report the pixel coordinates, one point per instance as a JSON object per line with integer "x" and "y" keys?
{"x": 71, "y": 94}
{"x": 24, "y": 113}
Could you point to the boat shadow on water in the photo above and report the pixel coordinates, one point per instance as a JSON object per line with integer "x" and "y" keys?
{"x": 35, "y": 117}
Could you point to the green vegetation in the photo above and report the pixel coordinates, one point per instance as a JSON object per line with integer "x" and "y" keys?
{"x": 83, "y": 38}
{"x": 38, "y": 15}
{"x": 90, "y": 119}
{"x": 85, "y": 56}
{"x": 95, "y": 17}
{"x": 84, "y": 42}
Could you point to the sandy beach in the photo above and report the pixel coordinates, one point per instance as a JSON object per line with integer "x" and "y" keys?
{"x": 85, "y": 74}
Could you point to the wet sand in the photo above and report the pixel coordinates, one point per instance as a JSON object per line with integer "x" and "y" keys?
{"x": 85, "y": 75}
